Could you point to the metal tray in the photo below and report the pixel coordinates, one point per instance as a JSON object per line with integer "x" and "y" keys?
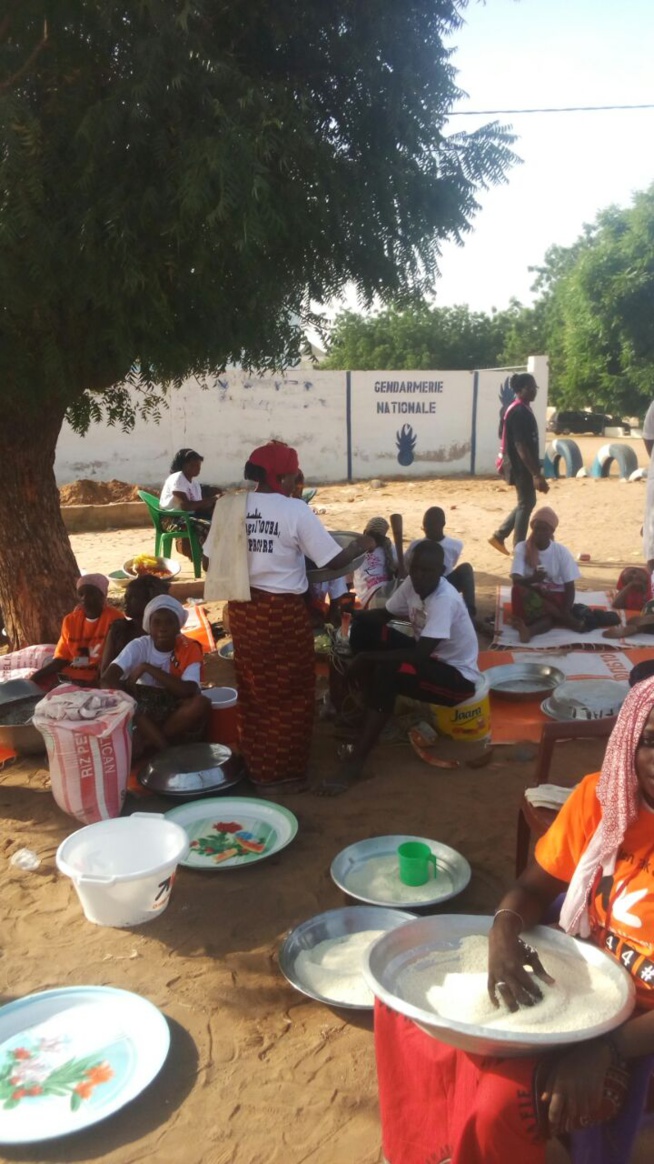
{"x": 190, "y": 771}
{"x": 395, "y": 952}
{"x": 14, "y": 689}
{"x": 454, "y": 868}
{"x": 586, "y": 699}
{"x": 23, "y": 738}
{"x": 520, "y": 682}
{"x": 344, "y": 539}
{"x": 335, "y": 923}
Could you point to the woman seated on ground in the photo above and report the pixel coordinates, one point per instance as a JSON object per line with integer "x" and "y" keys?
{"x": 439, "y": 1103}
{"x": 375, "y": 579}
{"x": 162, "y": 670}
{"x": 78, "y": 653}
{"x": 182, "y": 490}
{"x": 439, "y": 665}
{"x": 137, "y": 595}
{"x": 543, "y": 576}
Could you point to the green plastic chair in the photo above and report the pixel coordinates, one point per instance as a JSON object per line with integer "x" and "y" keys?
{"x": 164, "y": 538}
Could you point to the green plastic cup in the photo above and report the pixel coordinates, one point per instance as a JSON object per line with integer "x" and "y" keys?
{"x": 414, "y": 859}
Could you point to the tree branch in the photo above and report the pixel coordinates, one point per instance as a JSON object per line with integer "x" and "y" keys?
{"x": 36, "y": 51}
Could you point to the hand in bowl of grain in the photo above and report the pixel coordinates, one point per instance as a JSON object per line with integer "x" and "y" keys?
{"x": 509, "y": 979}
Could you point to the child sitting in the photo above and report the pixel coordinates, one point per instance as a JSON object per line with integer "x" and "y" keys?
{"x": 633, "y": 590}
{"x": 376, "y": 578}
{"x": 462, "y": 577}
{"x": 543, "y": 576}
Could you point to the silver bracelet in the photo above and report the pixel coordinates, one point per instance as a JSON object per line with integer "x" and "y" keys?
{"x": 515, "y": 913}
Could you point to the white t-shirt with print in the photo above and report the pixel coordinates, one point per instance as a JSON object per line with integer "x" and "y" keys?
{"x": 556, "y": 560}
{"x": 451, "y": 548}
{"x": 179, "y": 483}
{"x": 143, "y": 650}
{"x": 281, "y": 532}
{"x": 371, "y": 574}
{"x": 442, "y": 615}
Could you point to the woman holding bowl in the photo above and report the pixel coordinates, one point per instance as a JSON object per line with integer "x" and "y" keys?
{"x": 439, "y": 1103}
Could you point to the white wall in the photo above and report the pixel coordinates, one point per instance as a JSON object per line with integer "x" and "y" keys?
{"x": 413, "y": 423}
{"x": 223, "y": 421}
{"x": 437, "y": 423}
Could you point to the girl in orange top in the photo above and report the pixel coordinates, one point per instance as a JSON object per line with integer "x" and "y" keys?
{"x": 83, "y": 632}
{"x": 437, "y": 1102}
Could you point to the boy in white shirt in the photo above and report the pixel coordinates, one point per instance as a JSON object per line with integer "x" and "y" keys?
{"x": 438, "y": 666}
{"x": 461, "y": 577}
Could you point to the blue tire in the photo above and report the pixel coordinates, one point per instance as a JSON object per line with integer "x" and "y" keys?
{"x": 624, "y": 457}
{"x": 566, "y": 451}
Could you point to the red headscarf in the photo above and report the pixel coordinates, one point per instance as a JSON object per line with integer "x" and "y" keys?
{"x": 277, "y": 460}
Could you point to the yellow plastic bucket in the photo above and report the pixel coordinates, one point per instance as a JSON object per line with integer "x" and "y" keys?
{"x": 470, "y": 720}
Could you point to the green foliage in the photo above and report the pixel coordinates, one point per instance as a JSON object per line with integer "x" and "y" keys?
{"x": 419, "y": 337}
{"x": 179, "y": 178}
{"x": 595, "y": 309}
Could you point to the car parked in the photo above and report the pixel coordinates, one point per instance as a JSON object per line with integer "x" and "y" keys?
{"x": 578, "y": 421}
{"x": 618, "y": 422}
{"x": 565, "y": 421}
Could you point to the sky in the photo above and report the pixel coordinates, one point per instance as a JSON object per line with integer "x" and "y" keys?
{"x": 515, "y": 54}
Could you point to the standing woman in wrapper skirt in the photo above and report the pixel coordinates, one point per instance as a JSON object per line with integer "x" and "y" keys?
{"x": 273, "y": 639}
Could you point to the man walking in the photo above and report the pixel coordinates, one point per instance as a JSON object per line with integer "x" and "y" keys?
{"x": 520, "y": 460}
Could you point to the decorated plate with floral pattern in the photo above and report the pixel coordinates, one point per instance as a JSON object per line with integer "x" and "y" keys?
{"x": 71, "y": 1057}
{"x": 233, "y": 831}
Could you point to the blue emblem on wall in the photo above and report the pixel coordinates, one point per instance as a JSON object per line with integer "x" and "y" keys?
{"x": 506, "y": 396}
{"x": 405, "y": 440}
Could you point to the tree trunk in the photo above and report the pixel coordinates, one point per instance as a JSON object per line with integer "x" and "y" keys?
{"x": 37, "y": 566}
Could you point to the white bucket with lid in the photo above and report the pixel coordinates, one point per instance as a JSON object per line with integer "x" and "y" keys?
{"x": 123, "y": 870}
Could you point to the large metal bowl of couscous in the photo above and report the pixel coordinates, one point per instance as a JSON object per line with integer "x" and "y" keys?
{"x": 420, "y": 971}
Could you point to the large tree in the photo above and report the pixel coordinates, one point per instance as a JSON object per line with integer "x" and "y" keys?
{"x": 594, "y": 311}
{"x": 178, "y": 179}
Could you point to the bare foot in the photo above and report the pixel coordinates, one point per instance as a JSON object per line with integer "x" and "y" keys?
{"x": 524, "y": 633}
{"x": 613, "y": 632}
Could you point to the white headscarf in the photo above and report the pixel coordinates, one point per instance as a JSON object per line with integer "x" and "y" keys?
{"x": 164, "y": 602}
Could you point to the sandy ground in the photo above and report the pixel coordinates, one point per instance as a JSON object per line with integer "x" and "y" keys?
{"x": 259, "y": 1074}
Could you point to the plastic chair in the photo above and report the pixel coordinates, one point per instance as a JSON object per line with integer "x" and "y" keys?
{"x": 164, "y": 538}
{"x": 532, "y": 819}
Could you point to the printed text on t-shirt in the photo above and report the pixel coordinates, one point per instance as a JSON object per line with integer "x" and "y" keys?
{"x": 256, "y": 524}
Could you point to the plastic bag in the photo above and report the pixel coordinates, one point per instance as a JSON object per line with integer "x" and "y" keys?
{"x": 89, "y": 744}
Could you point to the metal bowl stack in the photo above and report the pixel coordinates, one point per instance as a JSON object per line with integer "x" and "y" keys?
{"x": 586, "y": 699}
{"x": 190, "y": 771}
